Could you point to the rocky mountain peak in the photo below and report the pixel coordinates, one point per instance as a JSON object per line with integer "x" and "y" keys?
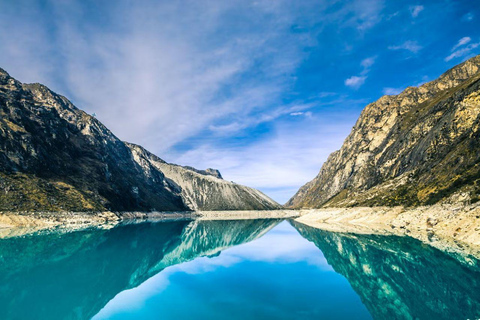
{"x": 3, "y": 73}
{"x": 214, "y": 172}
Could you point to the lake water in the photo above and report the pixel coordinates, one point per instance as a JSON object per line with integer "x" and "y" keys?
{"x": 246, "y": 269}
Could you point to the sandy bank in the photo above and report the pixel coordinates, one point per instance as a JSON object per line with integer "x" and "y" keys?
{"x": 452, "y": 228}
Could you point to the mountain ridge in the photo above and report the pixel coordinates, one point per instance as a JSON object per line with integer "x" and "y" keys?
{"x": 56, "y": 157}
{"x": 398, "y": 140}
{"x": 203, "y": 190}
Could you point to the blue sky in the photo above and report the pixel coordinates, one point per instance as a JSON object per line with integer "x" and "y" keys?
{"x": 262, "y": 90}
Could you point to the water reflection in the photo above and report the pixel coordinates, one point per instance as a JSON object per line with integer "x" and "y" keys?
{"x": 278, "y": 276}
{"x": 73, "y": 275}
{"x": 401, "y": 278}
{"x": 259, "y": 269}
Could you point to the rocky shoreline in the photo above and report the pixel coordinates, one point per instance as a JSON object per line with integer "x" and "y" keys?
{"x": 450, "y": 228}
{"x": 20, "y": 223}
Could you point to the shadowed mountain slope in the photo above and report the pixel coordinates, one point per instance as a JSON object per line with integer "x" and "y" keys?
{"x": 55, "y": 157}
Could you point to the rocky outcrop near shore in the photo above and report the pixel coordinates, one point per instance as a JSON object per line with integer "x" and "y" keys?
{"x": 55, "y": 157}
{"x": 417, "y": 148}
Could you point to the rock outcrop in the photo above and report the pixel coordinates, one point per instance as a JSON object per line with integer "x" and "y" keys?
{"x": 55, "y": 157}
{"x": 417, "y": 148}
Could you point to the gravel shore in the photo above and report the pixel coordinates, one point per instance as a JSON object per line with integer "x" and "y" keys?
{"x": 453, "y": 228}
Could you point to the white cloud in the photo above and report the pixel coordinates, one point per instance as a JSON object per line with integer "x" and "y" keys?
{"x": 246, "y": 120}
{"x": 463, "y": 51}
{"x": 409, "y": 45}
{"x": 415, "y": 10}
{"x": 306, "y": 114}
{"x": 355, "y": 81}
{"x": 162, "y": 71}
{"x": 368, "y": 62}
{"x": 392, "y": 91}
{"x": 366, "y": 13}
{"x": 461, "y": 42}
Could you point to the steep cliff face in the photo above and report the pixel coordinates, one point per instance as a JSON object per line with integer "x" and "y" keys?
{"x": 55, "y": 157}
{"x": 419, "y": 147}
{"x": 205, "y": 189}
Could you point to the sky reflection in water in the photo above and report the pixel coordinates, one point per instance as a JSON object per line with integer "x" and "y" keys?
{"x": 278, "y": 276}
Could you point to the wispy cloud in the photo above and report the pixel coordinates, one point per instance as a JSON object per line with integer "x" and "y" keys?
{"x": 246, "y": 120}
{"x": 392, "y": 91}
{"x": 356, "y": 82}
{"x": 461, "y": 49}
{"x": 409, "y": 45}
{"x": 366, "y": 13}
{"x": 306, "y": 114}
{"x": 282, "y": 162}
{"x": 415, "y": 10}
{"x": 468, "y": 17}
{"x": 462, "y": 42}
{"x": 162, "y": 64}
{"x": 367, "y": 63}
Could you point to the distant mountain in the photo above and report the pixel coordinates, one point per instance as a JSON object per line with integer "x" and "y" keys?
{"x": 55, "y": 157}
{"x": 416, "y": 148}
{"x": 204, "y": 189}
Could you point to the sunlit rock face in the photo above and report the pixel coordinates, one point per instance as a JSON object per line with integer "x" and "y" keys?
{"x": 205, "y": 189}
{"x": 419, "y": 147}
{"x": 55, "y": 157}
{"x": 401, "y": 278}
{"x": 94, "y": 265}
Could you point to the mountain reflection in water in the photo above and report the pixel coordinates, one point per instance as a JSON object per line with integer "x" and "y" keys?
{"x": 400, "y": 277}
{"x": 262, "y": 269}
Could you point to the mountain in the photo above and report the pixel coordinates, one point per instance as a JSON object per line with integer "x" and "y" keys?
{"x": 417, "y": 148}
{"x": 204, "y": 189}
{"x": 55, "y": 157}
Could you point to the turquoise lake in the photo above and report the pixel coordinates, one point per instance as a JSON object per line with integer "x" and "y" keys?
{"x": 245, "y": 269}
